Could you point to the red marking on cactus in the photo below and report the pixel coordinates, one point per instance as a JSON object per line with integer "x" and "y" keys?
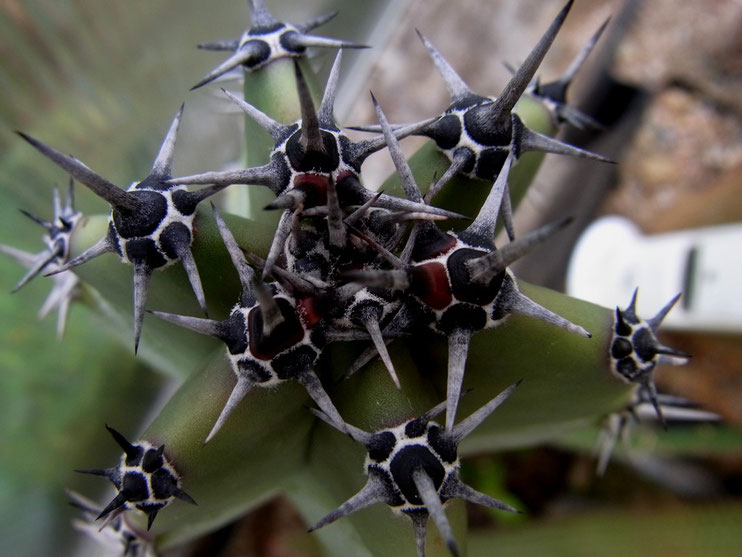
{"x": 430, "y": 284}
{"x": 284, "y": 336}
{"x": 309, "y": 311}
{"x": 314, "y": 186}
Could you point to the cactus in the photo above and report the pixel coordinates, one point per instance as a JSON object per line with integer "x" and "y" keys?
{"x": 380, "y": 306}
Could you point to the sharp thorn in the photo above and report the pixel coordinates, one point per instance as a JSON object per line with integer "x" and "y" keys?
{"x": 241, "y": 388}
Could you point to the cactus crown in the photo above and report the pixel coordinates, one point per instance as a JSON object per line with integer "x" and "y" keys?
{"x": 346, "y": 264}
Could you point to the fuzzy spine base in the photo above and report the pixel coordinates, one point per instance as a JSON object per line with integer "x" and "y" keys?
{"x": 144, "y": 479}
{"x": 57, "y": 237}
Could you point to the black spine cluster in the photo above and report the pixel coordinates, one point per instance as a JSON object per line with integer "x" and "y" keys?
{"x": 151, "y": 223}
{"x": 57, "y": 237}
{"x": 553, "y": 94}
{"x": 144, "y": 480}
{"x": 119, "y": 535}
{"x": 269, "y": 335}
{"x": 643, "y": 407}
{"x": 457, "y": 283}
{"x": 267, "y": 40}
{"x": 476, "y": 132}
{"x": 414, "y": 469}
{"x": 636, "y": 351}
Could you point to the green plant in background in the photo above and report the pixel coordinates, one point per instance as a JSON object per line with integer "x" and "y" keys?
{"x": 379, "y": 305}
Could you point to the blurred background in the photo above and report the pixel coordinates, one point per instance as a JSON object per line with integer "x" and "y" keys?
{"x": 103, "y": 80}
